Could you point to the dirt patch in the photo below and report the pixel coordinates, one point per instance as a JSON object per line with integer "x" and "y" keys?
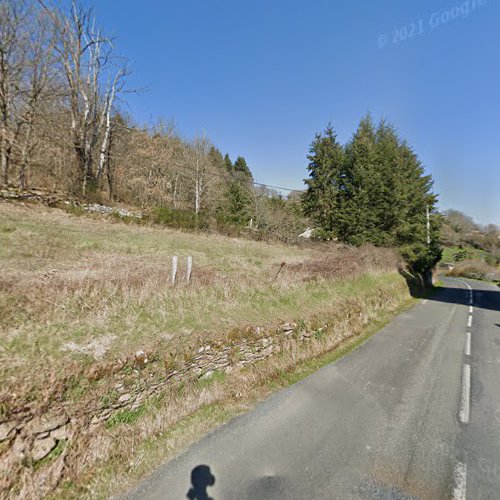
{"x": 97, "y": 348}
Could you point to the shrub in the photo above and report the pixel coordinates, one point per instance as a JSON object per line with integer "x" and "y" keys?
{"x": 181, "y": 219}
{"x": 474, "y": 269}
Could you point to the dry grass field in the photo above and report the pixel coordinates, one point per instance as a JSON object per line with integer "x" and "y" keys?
{"x": 77, "y": 288}
{"x": 79, "y": 292}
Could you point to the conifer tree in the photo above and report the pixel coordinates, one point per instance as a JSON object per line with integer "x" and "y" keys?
{"x": 228, "y": 163}
{"x": 417, "y": 199}
{"x": 241, "y": 168}
{"x": 391, "y": 194}
{"x": 235, "y": 208}
{"x": 361, "y": 185}
{"x": 216, "y": 158}
{"x": 374, "y": 190}
{"x": 321, "y": 200}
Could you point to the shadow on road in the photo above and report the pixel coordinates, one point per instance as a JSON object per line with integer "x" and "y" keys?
{"x": 484, "y": 299}
{"x": 201, "y": 479}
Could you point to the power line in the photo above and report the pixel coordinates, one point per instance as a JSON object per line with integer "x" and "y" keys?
{"x": 242, "y": 181}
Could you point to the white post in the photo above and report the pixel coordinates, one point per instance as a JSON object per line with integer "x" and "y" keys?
{"x": 174, "y": 268}
{"x": 189, "y": 268}
{"x": 428, "y": 224}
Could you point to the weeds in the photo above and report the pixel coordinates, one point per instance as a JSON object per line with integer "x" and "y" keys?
{"x": 126, "y": 417}
{"x": 215, "y": 377}
{"x": 81, "y": 296}
{"x": 56, "y": 452}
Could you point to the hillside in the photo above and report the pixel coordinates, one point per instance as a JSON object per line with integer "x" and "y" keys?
{"x": 473, "y": 250}
{"x": 94, "y": 335}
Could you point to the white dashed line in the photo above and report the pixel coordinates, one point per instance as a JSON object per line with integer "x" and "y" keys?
{"x": 469, "y": 321}
{"x": 467, "y": 343}
{"x": 460, "y": 481}
{"x": 464, "y": 412}
{"x": 460, "y": 471}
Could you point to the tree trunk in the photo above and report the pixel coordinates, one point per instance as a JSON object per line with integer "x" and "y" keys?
{"x": 4, "y": 159}
{"x": 25, "y": 153}
{"x": 197, "y": 197}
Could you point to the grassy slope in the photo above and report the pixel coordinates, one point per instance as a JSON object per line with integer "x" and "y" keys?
{"x": 164, "y": 444}
{"x": 450, "y": 252}
{"x": 73, "y": 289}
{"x": 71, "y": 284}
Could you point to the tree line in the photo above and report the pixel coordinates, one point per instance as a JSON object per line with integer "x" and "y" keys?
{"x": 62, "y": 127}
{"x": 373, "y": 189}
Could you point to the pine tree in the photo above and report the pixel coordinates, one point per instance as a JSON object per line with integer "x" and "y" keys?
{"x": 374, "y": 190}
{"x": 216, "y": 158}
{"x": 391, "y": 194}
{"x": 228, "y": 163}
{"x": 361, "y": 186}
{"x": 417, "y": 199}
{"x": 235, "y": 208}
{"x": 320, "y": 201}
{"x": 241, "y": 168}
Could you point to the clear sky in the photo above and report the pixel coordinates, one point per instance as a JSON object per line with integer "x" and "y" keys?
{"x": 261, "y": 77}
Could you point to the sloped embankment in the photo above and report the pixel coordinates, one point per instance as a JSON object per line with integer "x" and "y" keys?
{"x": 107, "y": 369}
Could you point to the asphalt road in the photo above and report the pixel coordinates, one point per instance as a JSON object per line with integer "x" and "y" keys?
{"x": 412, "y": 413}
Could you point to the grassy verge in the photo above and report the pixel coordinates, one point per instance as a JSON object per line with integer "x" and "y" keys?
{"x": 262, "y": 380}
{"x": 76, "y": 290}
{"x": 79, "y": 297}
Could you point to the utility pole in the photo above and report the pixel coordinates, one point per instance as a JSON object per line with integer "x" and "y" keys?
{"x": 428, "y": 224}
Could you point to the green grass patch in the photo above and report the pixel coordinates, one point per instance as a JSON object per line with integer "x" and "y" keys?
{"x": 56, "y": 452}
{"x": 457, "y": 254}
{"x": 126, "y": 417}
{"x": 216, "y": 376}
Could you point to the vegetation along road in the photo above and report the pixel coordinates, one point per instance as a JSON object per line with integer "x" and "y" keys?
{"x": 412, "y": 413}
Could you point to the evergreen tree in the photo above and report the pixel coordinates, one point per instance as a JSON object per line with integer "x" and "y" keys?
{"x": 417, "y": 198}
{"x": 373, "y": 191}
{"x": 391, "y": 193}
{"x": 361, "y": 186}
{"x": 228, "y": 163}
{"x": 236, "y": 207}
{"x": 321, "y": 200}
{"x": 241, "y": 168}
{"x": 216, "y": 158}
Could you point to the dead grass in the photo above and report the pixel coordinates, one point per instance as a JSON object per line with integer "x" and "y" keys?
{"x": 190, "y": 410}
{"x": 71, "y": 287}
{"x": 475, "y": 269}
{"x": 78, "y": 296}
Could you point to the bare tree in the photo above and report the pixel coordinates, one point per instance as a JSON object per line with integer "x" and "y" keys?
{"x": 12, "y": 64}
{"x": 86, "y": 60}
{"x": 106, "y": 122}
{"x": 40, "y": 85}
{"x": 199, "y": 164}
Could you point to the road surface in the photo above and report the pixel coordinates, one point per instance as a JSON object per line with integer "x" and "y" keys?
{"x": 412, "y": 413}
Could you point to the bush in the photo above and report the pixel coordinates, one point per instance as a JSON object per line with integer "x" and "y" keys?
{"x": 180, "y": 219}
{"x": 476, "y": 270}
{"x": 461, "y": 254}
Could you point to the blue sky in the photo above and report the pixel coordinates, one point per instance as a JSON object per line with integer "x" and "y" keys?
{"x": 262, "y": 77}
